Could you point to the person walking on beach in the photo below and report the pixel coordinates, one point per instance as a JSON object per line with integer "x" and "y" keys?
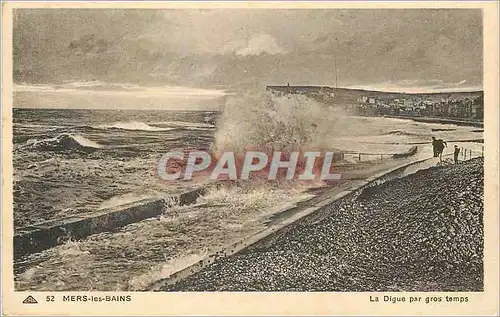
{"x": 438, "y": 147}
{"x": 434, "y": 146}
{"x": 455, "y": 154}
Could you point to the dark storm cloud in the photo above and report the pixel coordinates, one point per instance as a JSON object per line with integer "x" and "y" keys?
{"x": 429, "y": 48}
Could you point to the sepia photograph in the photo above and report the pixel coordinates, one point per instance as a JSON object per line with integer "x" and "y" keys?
{"x": 249, "y": 149}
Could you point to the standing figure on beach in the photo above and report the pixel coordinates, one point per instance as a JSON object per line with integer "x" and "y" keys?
{"x": 438, "y": 147}
{"x": 456, "y": 152}
{"x": 434, "y": 146}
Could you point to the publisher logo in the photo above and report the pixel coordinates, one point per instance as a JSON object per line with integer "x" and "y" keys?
{"x": 30, "y": 300}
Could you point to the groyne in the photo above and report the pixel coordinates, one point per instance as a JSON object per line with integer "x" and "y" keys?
{"x": 45, "y": 235}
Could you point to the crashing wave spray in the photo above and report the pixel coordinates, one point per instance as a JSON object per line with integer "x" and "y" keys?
{"x": 292, "y": 130}
{"x": 270, "y": 122}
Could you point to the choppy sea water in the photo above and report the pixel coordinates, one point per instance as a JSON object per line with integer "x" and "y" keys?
{"x": 115, "y": 132}
{"x": 111, "y": 153}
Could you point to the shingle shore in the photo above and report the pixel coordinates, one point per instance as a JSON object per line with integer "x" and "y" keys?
{"x": 423, "y": 232}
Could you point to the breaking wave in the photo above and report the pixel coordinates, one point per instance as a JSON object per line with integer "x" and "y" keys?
{"x": 269, "y": 122}
{"x": 64, "y": 141}
{"x": 133, "y": 125}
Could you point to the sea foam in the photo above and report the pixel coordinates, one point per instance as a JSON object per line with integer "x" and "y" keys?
{"x": 133, "y": 125}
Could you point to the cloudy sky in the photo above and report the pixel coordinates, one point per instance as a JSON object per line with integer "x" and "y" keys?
{"x": 382, "y": 49}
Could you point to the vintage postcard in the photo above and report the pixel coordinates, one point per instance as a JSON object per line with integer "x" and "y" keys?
{"x": 250, "y": 158}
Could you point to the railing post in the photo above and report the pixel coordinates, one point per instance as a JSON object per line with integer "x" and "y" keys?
{"x": 482, "y": 151}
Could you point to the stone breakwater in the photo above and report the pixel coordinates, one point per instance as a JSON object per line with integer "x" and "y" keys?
{"x": 423, "y": 232}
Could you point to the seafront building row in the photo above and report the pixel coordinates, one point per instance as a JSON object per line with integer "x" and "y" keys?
{"x": 445, "y": 107}
{"x": 464, "y": 105}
